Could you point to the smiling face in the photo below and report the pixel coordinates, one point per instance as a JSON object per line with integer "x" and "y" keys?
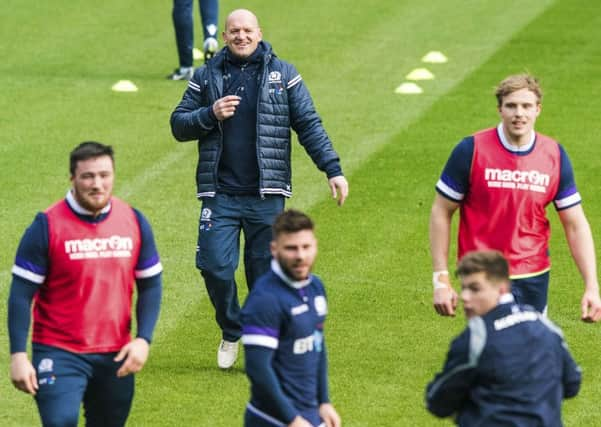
{"x": 92, "y": 182}
{"x": 242, "y": 33}
{"x": 295, "y": 252}
{"x": 518, "y": 111}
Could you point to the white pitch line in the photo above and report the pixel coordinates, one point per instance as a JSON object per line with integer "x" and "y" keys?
{"x": 136, "y": 184}
{"x": 153, "y": 172}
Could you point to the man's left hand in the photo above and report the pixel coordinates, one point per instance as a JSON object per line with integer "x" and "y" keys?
{"x": 339, "y": 187}
{"x": 135, "y": 354}
{"x": 329, "y": 415}
{"x": 591, "y": 306}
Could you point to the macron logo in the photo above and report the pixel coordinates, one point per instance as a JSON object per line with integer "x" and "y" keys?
{"x": 111, "y": 247}
{"x": 521, "y": 180}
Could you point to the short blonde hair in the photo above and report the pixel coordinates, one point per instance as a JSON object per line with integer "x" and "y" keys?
{"x": 516, "y": 82}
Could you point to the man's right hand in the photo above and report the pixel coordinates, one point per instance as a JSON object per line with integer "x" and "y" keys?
{"x": 299, "y": 421}
{"x": 445, "y": 297}
{"x": 22, "y": 373}
{"x": 225, "y": 107}
{"x": 339, "y": 188}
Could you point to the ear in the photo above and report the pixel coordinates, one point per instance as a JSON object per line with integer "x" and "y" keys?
{"x": 273, "y": 248}
{"x": 505, "y": 287}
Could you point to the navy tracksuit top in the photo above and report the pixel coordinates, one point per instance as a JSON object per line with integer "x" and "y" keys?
{"x": 509, "y": 367}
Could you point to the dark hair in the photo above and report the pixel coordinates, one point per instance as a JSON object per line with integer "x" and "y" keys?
{"x": 88, "y": 150}
{"x": 291, "y": 221}
{"x": 492, "y": 263}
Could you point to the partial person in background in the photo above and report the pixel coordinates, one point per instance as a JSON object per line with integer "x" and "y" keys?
{"x": 510, "y": 366}
{"x": 183, "y": 23}
{"x": 241, "y": 107}
{"x": 283, "y": 334}
{"x": 79, "y": 260}
{"x": 502, "y": 179}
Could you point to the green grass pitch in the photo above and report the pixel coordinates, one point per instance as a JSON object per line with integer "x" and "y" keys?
{"x": 60, "y": 59}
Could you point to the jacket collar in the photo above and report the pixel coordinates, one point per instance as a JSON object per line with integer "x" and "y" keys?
{"x": 217, "y": 61}
{"x": 215, "y": 66}
{"x": 255, "y": 58}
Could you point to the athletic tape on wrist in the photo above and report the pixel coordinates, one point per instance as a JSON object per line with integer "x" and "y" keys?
{"x": 437, "y": 283}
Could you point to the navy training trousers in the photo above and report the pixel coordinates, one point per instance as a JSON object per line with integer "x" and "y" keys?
{"x": 183, "y": 23}
{"x": 532, "y": 291}
{"x": 67, "y": 379}
{"x": 222, "y": 218}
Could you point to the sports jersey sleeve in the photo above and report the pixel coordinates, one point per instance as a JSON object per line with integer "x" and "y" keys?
{"x": 149, "y": 264}
{"x": 148, "y": 281}
{"x": 567, "y": 193}
{"x": 29, "y": 272}
{"x": 31, "y": 261}
{"x": 447, "y": 393}
{"x": 323, "y": 394}
{"x": 453, "y": 183}
{"x": 148, "y": 305}
{"x": 19, "y": 312}
{"x": 260, "y": 318}
{"x": 261, "y": 374}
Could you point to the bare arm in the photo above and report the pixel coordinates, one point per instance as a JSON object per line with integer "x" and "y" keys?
{"x": 22, "y": 372}
{"x": 580, "y": 240}
{"x": 445, "y": 297}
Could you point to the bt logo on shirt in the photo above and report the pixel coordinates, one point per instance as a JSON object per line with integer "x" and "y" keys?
{"x": 313, "y": 342}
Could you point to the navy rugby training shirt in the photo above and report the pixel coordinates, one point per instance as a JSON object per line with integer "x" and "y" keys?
{"x": 287, "y": 323}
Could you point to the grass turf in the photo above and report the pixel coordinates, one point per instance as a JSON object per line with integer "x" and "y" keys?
{"x": 384, "y": 340}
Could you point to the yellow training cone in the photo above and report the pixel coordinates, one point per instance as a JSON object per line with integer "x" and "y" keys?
{"x": 408, "y": 88}
{"x": 435, "y": 57}
{"x": 420, "y": 74}
{"x": 124, "y": 86}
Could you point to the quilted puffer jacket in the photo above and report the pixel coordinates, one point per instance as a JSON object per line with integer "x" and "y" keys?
{"x": 283, "y": 103}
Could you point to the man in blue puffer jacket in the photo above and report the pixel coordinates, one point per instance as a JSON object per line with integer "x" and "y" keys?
{"x": 240, "y": 107}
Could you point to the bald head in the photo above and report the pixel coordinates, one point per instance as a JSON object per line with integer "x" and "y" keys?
{"x": 242, "y": 33}
{"x": 241, "y": 14}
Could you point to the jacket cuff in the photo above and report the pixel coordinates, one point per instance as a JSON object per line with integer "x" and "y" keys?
{"x": 333, "y": 169}
{"x": 207, "y": 118}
